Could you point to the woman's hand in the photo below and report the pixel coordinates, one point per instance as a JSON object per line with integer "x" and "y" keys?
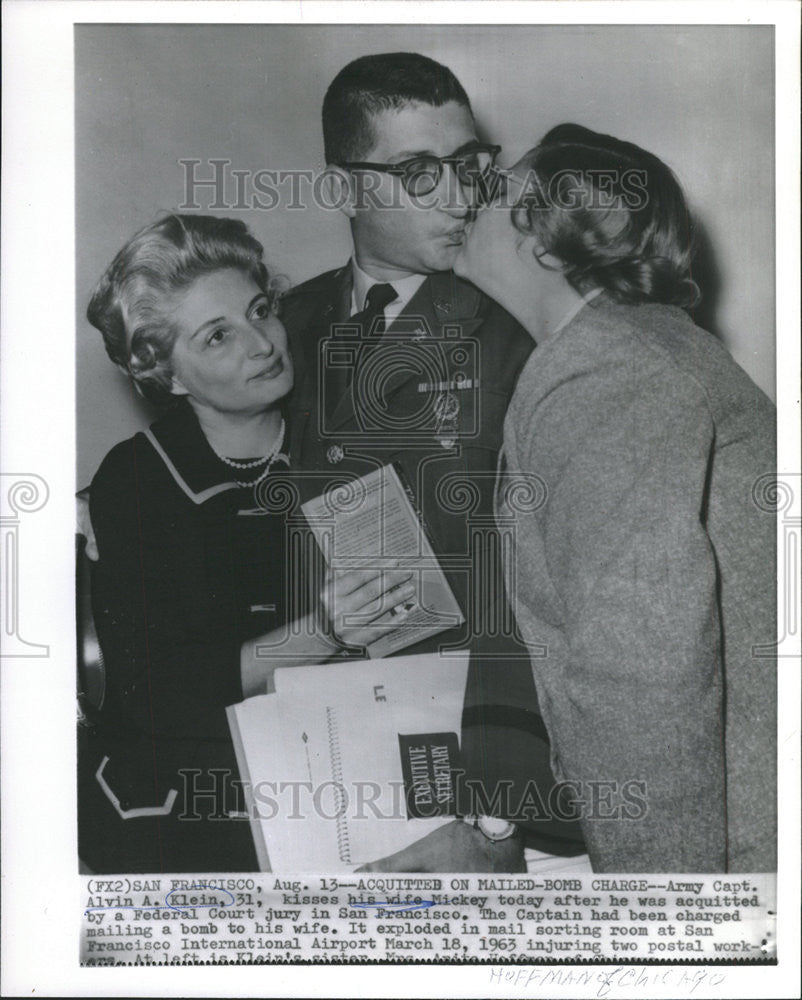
{"x": 364, "y": 604}
{"x": 379, "y": 600}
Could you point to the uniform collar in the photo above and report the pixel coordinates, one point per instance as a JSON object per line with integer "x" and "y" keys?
{"x": 405, "y": 288}
{"x": 442, "y": 297}
{"x": 451, "y": 298}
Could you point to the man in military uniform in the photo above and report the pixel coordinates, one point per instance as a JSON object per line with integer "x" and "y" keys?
{"x": 398, "y": 360}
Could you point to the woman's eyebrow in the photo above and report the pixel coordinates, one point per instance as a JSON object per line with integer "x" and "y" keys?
{"x": 221, "y": 319}
{"x": 209, "y": 322}
{"x": 255, "y": 299}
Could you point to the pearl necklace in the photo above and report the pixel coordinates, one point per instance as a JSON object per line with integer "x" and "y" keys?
{"x": 269, "y": 458}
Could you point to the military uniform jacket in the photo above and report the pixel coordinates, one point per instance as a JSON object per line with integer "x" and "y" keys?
{"x": 430, "y": 395}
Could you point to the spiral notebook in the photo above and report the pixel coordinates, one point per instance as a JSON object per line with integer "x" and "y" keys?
{"x": 348, "y": 763}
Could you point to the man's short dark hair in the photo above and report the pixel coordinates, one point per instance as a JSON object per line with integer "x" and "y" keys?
{"x": 372, "y": 84}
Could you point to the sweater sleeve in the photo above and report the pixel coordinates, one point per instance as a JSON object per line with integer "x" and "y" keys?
{"x": 637, "y": 686}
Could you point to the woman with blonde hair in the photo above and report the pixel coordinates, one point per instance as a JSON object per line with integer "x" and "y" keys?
{"x": 643, "y": 576}
{"x": 192, "y": 569}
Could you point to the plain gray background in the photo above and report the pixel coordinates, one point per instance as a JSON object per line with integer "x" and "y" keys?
{"x": 148, "y": 96}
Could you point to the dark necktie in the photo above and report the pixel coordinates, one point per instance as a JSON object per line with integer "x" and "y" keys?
{"x": 370, "y": 324}
{"x": 371, "y": 319}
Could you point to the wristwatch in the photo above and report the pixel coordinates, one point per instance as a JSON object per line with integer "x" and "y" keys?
{"x": 492, "y": 827}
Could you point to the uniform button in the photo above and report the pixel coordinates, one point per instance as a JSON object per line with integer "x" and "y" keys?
{"x": 335, "y": 454}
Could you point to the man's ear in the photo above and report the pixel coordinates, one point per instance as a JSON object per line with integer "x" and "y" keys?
{"x": 176, "y": 388}
{"x": 527, "y": 245}
{"x": 547, "y": 259}
{"x": 337, "y": 189}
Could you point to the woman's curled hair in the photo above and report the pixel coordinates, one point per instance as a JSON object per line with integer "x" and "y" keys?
{"x": 613, "y": 214}
{"x": 132, "y": 301}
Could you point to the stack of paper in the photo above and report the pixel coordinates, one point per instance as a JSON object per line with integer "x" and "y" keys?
{"x": 348, "y": 763}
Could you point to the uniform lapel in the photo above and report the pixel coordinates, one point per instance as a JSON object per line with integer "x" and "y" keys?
{"x": 447, "y": 307}
{"x": 330, "y": 306}
{"x": 444, "y": 299}
{"x": 442, "y": 302}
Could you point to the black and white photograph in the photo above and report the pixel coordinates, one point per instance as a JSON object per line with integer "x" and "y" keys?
{"x": 401, "y": 498}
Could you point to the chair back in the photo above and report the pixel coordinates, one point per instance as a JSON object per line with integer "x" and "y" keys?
{"x": 91, "y": 674}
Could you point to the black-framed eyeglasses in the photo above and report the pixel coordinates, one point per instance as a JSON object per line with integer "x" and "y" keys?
{"x": 420, "y": 175}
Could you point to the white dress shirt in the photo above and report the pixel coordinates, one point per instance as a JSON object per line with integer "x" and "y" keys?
{"x": 405, "y": 288}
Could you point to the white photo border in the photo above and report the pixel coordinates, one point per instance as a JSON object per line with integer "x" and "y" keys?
{"x": 41, "y": 890}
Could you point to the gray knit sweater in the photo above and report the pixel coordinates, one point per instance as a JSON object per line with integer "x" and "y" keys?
{"x": 643, "y": 575}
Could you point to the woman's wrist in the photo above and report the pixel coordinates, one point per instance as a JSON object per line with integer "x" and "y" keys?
{"x": 309, "y": 641}
{"x": 336, "y": 647}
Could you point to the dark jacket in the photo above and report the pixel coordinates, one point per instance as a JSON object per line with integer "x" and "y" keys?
{"x": 450, "y": 341}
{"x": 645, "y": 586}
{"x": 185, "y": 575}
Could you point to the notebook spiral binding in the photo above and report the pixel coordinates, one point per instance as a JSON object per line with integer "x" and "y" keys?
{"x": 343, "y": 836}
